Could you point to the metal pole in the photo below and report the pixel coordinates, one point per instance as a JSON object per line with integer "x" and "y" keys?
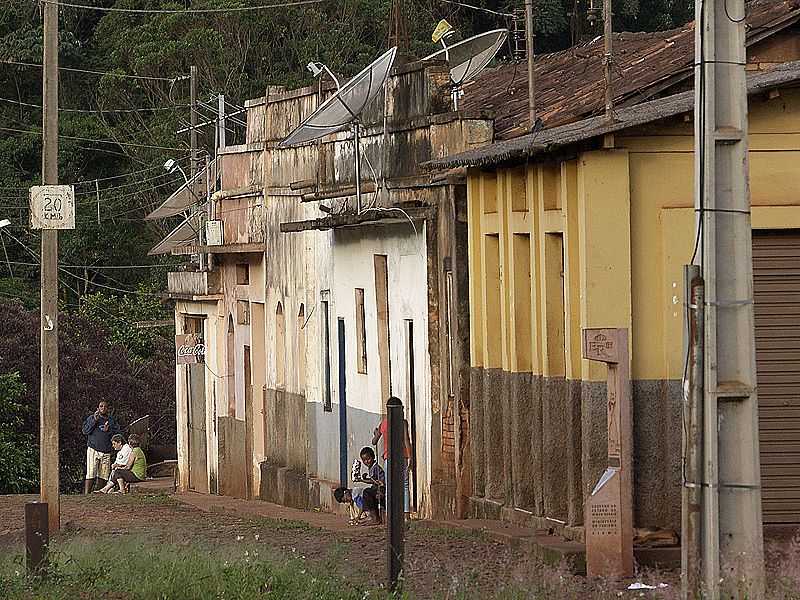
{"x": 37, "y": 536}
{"x": 357, "y": 142}
{"x": 48, "y": 412}
{"x": 608, "y": 58}
{"x": 221, "y": 121}
{"x": 530, "y": 53}
{"x": 396, "y": 516}
{"x": 692, "y": 493}
{"x": 194, "y": 160}
{"x": 733, "y": 550}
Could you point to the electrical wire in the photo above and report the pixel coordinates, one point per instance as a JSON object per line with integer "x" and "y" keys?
{"x": 97, "y": 110}
{"x": 187, "y": 11}
{"x": 93, "y": 140}
{"x": 97, "y": 267}
{"x": 93, "y": 72}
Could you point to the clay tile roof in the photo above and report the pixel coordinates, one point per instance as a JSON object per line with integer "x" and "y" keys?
{"x": 569, "y": 84}
{"x": 548, "y": 140}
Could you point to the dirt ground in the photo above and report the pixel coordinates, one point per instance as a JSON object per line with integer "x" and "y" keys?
{"x": 438, "y": 561}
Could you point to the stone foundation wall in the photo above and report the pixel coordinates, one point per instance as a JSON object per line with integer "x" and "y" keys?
{"x": 539, "y": 446}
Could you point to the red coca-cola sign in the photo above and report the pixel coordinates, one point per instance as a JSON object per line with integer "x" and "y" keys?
{"x": 189, "y": 349}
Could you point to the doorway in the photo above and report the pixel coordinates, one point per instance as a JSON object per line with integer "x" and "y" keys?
{"x": 196, "y": 415}
{"x": 342, "y": 403}
{"x": 411, "y": 406}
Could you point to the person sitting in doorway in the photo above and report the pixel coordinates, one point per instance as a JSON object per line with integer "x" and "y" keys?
{"x": 359, "y": 498}
{"x": 133, "y": 471}
{"x": 375, "y": 477}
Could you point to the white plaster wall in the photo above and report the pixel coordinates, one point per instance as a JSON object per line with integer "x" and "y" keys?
{"x": 353, "y": 267}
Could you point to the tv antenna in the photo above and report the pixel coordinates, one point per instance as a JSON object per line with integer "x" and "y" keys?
{"x": 344, "y": 108}
{"x": 468, "y": 57}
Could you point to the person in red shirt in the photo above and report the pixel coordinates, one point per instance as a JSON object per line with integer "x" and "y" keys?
{"x": 382, "y": 431}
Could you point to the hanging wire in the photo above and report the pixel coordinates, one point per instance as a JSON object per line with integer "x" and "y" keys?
{"x": 187, "y": 11}
{"x": 93, "y": 72}
{"x": 97, "y": 110}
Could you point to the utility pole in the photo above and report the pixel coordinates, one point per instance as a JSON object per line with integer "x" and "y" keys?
{"x": 530, "y": 54}
{"x": 398, "y": 27}
{"x": 220, "y": 121}
{"x": 48, "y": 390}
{"x": 194, "y": 160}
{"x": 608, "y": 58}
{"x": 732, "y": 537}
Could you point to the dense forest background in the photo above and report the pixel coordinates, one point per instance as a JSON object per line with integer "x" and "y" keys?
{"x": 123, "y": 99}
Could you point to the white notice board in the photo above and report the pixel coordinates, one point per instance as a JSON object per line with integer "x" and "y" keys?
{"x": 52, "y": 207}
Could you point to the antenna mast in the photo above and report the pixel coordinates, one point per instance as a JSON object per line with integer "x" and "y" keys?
{"x": 398, "y": 27}
{"x": 607, "y": 58}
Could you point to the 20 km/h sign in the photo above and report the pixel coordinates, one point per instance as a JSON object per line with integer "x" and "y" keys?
{"x": 52, "y": 207}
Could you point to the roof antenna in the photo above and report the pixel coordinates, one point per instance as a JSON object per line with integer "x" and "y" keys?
{"x": 398, "y": 27}
{"x": 608, "y": 59}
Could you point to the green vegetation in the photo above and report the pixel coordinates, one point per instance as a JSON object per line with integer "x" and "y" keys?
{"x": 86, "y": 569}
{"x": 19, "y": 463}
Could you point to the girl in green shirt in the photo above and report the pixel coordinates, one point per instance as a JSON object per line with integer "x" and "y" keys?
{"x": 134, "y": 471}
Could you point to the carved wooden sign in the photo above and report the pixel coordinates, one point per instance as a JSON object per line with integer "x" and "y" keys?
{"x": 608, "y": 513}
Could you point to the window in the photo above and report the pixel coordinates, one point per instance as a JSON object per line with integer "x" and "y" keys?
{"x": 326, "y": 354}
{"x": 280, "y": 347}
{"x": 361, "y": 334}
{"x": 243, "y": 274}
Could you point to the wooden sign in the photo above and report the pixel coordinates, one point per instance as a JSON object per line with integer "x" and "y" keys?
{"x": 189, "y": 349}
{"x": 52, "y": 207}
{"x": 609, "y": 512}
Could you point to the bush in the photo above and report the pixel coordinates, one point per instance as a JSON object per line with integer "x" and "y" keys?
{"x": 91, "y": 368}
{"x": 19, "y": 467}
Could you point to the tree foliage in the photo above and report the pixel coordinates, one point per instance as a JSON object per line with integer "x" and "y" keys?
{"x": 91, "y": 368}
{"x": 19, "y": 467}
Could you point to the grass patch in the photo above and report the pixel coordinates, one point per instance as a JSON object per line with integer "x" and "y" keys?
{"x": 448, "y": 533}
{"x": 282, "y": 525}
{"x": 140, "y": 570}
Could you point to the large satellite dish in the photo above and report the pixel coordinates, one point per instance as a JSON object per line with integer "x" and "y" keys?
{"x": 469, "y": 57}
{"x": 346, "y": 105}
{"x": 344, "y": 108}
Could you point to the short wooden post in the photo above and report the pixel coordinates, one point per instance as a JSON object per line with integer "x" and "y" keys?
{"x": 396, "y": 488}
{"x": 37, "y": 536}
{"x": 609, "y": 513}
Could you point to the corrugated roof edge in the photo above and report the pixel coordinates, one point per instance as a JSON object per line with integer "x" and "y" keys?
{"x": 547, "y": 140}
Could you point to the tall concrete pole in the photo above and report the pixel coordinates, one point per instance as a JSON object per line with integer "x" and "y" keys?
{"x": 529, "y": 50}
{"x": 732, "y": 527}
{"x": 194, "y": 159}
{"x": 48, "y": 390}
{"x": 607, "y": 59}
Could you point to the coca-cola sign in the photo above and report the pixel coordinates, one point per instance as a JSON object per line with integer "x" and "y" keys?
{"x": 189, "y": 349}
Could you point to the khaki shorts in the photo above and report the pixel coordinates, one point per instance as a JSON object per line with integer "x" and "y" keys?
{"x": 98, "y": 464}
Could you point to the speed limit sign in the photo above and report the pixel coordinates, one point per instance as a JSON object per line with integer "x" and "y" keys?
{"x": 52, "y": 207}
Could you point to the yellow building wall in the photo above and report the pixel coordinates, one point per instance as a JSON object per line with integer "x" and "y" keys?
{"x": 614, "y": 228}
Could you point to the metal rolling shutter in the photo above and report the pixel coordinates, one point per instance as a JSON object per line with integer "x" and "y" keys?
{"x": 776, "y": 274}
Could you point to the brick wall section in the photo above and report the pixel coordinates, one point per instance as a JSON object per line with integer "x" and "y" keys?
{"x": 448, "y": 437}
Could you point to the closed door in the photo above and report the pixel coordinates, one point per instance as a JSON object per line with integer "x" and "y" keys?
{"x": 776, "y": 279}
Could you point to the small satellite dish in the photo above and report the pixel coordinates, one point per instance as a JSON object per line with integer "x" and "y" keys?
{"x": 469, "y": 57}
{"x": 344, "y": 109}
{"x": 443, "y": 30}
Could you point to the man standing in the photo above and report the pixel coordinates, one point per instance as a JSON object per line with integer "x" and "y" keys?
{"x": 99, "y": 427}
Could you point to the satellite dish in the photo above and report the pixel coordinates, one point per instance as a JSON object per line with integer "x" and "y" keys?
{"x": 183, "y": 235}
{"x": 469, "y": 57}
{"x": 344, "y": 109}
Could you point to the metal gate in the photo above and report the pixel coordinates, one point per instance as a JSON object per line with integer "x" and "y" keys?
{"x": 776, "y": 275}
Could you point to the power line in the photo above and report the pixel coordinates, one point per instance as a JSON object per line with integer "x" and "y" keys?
{"x": 97, "y": 110}
{"x": 93, "y": 72}
{"x": 93, "y": 140}
{"x": 97, "y": 267}
{"x": 188, "y": 11}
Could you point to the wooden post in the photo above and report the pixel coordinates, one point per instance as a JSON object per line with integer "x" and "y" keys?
{"x": 37, "y": 536}
{"x": 609, "y": 514}
{"x": 394, "y": 504}
{"x": 48, "y": 411}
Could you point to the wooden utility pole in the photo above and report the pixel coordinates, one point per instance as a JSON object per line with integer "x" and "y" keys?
{"x": 530, "y": 54}
{"x": 48, "y": 390}
{"x": 193, "y": 123}
{"x": 398, "y": 27}
{"x": 732, "y": 537}
{"x": 608, "y": 58}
